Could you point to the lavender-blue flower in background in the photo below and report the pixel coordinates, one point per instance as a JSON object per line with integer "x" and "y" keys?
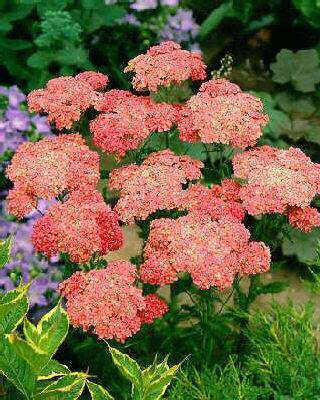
{"x": 141, "y": 5}
{"x": 180, "y": 27}
{"x": 25, "y": 265}
{"x": 130, "y": 19}
{"x": 170, "y": 3}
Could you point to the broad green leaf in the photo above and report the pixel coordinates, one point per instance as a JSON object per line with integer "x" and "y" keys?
{"x": 71, "y": 56}
{"x": 157, "y": 388}
{"x": 97, "y": 392}
{"x": 40, "y": 59}
{"x": 105, "y": 16}
{"x": 215, "y": 18}
{"x": 15, "y": 368}
{"x": 34, "y": 356}
{"x": 15, "y": 44}
{"x": 51, "y": 331}
{"x": 51, "y": 5}
{"x": 5, "y": 247}
{"x": 128, "y": 367}
{"x": 30, "y": 331}
{"x": 68, "y": 387}
{"x": 310, "y": 9}
{"x": 300, "y": 68}
{"x": 19, "y": 12}
{"x": 13, "y": 307}
{"x": 302, "y": 245}
{"x": 52, "y": 370}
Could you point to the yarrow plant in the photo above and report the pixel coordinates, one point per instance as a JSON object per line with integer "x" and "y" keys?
{"x": 196, "y": 218}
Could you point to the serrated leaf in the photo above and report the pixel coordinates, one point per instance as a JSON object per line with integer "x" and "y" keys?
{"x": 16, "y": 369}
{"x": 215, "y": 18}
{"x": 52, "y": 370}
{"x": 97, "y": 392}
{"x": 50, "y": 332}
{"x": 300, "y": 68}
{"x": 127, "y": 366}
{"x": 157, "y": 388}
{"x": 68, "y": 387}
{"x": 13, "y": 307}
{"x": 5, "y": 251}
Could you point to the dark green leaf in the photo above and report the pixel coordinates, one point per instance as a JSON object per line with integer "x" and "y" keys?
{"x": 215, "y": 18}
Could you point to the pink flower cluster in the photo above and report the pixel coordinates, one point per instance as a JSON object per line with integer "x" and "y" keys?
{"x": 81, "y": 226}
{"x": 211, "y": 251}
{"x": 279, "y": 181}
{"x": 128, "y": 119}
{"x": 221, "y": 113}
{"x": 165, "y": 64}
{"x": 66, "y": 97}
{"x": 107, "y": 302}
{"x": 154, "y": 185}
{"x": 49, "y": 167}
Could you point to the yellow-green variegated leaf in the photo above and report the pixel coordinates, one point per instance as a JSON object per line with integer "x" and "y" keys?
{"x": 52, "y": 370}
{"x": 69, "y": 387}
{"x": 50, "y": 331}
{"x": 127, "y": 366}
{"x": 15, "y": 368}
{"x": 13, "y": 308}
{"x": 5, "y": 251}
{"x": 156, "y": 388}
{"x": 97, "y": 392}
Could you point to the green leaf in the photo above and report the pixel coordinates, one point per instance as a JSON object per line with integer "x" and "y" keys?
{"x": 302, "y": 245}
{"x": 68, "y": 387}
{"x": 310, "y": 9}
{"x": 52, "y": 370}
{"x": 19, "y": 12}
{"x": 13, "y": 308}
{"x": 215, "y": 18}
{"x": 5, "y": 251}
{"x": 15, "y": 368}
{"x": 300, "y": 68}
{"x": 127, "y": 366}
{"x": 71, "y": 56}
{"x": 273, "y": 287}
{"x": 97, "y": 392}
{"x": 50, "y": 331}
{"x": 51, "y": 5}
{"x": 105, "y": 16}
{"x": 39, "y": 60}
{"x": 15, "y": 44}
{"x": 157, "y": 388}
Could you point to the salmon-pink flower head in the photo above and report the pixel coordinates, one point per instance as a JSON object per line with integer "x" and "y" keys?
{"x": 211, "y": 251}
{"x": 221, "y": 113}
{"x": 276, "y": 180}
{"x": 165, "y": 64}
{"x": 96, "y": 80}
{"x": 65, "y": 98}
{"x": 154, "y": 185}
{"x": 128, "y": 120}
{"x": 81, "y": 226}
{"x": 49, "y": 167}
{"x": 107, "y": 302}
{"x": 304, "y": 218}
{"x": 204, "y": 200}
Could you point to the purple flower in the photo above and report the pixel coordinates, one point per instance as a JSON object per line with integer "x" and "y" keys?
{"x": 4, "y": 91}
{"x": 18, "y": 120}
{"x": 170, "y": 3}
{"x": 180, "y": 27}
{"x": 130, "y": 19}
{"x": 41, "y": 123}
{"x": 140, "y": 5}
{"x": 16, "y": 97}
{"x": 38, "y": 290}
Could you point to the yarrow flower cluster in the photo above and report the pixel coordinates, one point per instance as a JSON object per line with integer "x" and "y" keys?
{"x": 154, "y": 185}
{"x": 279, "y": 181}
{"x": 107, "y": 302}
{"x": 165, "y": 64}
{"x": 47, "y": 168}
{"x": 211, "y": 251}
{"x": 128, "y": 119}
{"x": 65, "y": 98}
{"x": 221, "y": 113}
{"x": 80, "y": 226}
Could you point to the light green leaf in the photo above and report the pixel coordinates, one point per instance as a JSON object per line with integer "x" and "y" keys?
{"x": 39, "y": 60}
{"x": 71, "y": 56}
{"x": 13, "y": 307}
{"x": 300, "y": 68}
{"x": 157, "y": 388}
{"x": 215, "y": 18}
{"x": 68, "y": 387}
{"x": 50, "y": 332}
{"x": 52, "y": 370}
{"x": 128, "y": 367}
{"x": 15, "y": 368}
{"x": 5, "y": 248}
{"x": 97, "y": 392}
{"x": 302, "y": 245}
